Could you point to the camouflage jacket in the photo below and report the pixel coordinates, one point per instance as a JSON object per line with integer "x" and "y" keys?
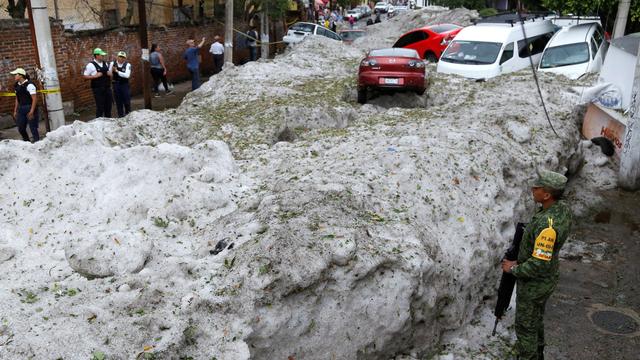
{"x": 530, "y": 267}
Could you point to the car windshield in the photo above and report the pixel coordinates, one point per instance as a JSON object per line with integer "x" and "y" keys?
{"x": 565, "y": 55}
{"x": 302, "y": 27}
{"x": 395, "y": 52}
{"x": 442, "y": 28}
{"x": 471, "y": 52}
{"x": 351, "y": 35}
{"x": 380, "y": 4}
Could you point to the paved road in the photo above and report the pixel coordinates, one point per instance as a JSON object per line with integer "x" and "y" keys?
{"x": 589, "y": 284}
{"x": 137, "y": 102}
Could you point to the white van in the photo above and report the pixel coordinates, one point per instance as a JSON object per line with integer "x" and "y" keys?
{"x": 575, "y": 50}
{"x": 496, "y": 46}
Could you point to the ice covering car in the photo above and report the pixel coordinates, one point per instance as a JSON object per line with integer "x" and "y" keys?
{"x": 300, "y": 30}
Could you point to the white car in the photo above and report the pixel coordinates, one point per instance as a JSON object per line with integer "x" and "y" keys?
{"x": 575, "y": 50}
{"x": 381, "y": 7}
{"x": 496, "y": 46}
{"x": 356, "y": 13}
{"x": 300, "y": 30}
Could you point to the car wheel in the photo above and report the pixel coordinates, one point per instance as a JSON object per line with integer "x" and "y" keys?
{"x": 362, "y": 95}
{"x": 431, "y": 57}
{"x": 421, "y": 91}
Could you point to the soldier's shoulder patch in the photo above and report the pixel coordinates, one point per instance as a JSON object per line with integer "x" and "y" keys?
{"x": 543, "y": 246}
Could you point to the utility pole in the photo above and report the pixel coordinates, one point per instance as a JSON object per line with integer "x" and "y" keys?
{"x": 46, "y": 60}
{"x": 144, "y": 46}
{"x": 621, "y": 18}
{"x": 264, "y": 36}
{"x": 629, "y": 174}
{"x": 228, "y": 31}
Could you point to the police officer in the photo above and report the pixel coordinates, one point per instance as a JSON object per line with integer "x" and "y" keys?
{"x": 25, "y": 110}
{"x": 121, "y": 71}
{"x": 99, "y": 72}
{"x": 536, "y": 269}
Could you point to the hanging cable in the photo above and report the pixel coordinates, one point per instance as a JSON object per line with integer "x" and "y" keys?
{"x": 535, "y": 76}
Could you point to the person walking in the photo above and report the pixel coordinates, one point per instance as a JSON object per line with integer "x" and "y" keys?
{"x": 158, "y": 70}
{"x": 536, "y": 269}
{"x": 25, "y": 110}
{"x": 352, "y": 21}
{"x": 99, "y": 72}
{"x": 121, "y": 71}
{"x": 252, "y": 43}
{"x": 217, "y": 49}
{"x": 192, "y": 56}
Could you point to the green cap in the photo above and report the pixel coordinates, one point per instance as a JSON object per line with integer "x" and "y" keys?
{"x": 98, "y": 51}
{"x": 550, "y": 180}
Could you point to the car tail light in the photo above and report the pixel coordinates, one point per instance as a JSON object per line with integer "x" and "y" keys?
{"x": 446, "y": 40}
{"x": 416, "y": 64}
{"x": 368, "y": 62}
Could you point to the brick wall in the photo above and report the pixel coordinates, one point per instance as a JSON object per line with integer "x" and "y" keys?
{"x": 73, "y": 52}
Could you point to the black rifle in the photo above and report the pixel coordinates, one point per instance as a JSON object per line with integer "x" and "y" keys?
{"x": 508, "y": 281}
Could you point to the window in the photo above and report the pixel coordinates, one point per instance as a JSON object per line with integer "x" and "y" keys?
{"x": 411, "y": 38}
{"x": 443, "y": 28}
{"x": 597, "y": 36}
{"x": 471, "y": 52}
{"x": 564, "y": 55}
{"x": 110, "y": 18}
{"x": 507, "y": 53}
{"x": 533, "y": 45}
{"x": 332, "y": 35}
{"x": 322, "y": 31}
{"x": 304, "y": 27}
{"x": 594, "y": 48}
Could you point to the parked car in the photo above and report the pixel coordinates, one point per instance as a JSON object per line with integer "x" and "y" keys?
{"x": 356, "y": 13}
{"x": 496, "y": 46}
{"x": 349, "y": 35}
{"x": 393, "y": 69}
{"x": 381, "y": 7}
{"x": 429, "y": 41}
{"x": 391, "y": 11}
{"x": 300, "y": 30}
{"x": 575, "y": 50}
{"x": 365, "y": 10}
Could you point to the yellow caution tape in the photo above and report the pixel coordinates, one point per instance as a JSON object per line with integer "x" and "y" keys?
{"x": 46, "y": 91}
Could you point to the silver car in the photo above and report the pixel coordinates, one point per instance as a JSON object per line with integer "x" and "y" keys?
{"x": 300, "y": 30}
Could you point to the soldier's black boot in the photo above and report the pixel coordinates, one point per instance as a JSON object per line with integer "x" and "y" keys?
{"x": 541, "y": 352}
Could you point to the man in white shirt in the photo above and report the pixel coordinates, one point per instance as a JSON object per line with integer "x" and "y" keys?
{"x": 217, "y": 49}
{"x": 99, "y": 72}
{"x": 121, "y": 71}
{"x": 25, "y": 110}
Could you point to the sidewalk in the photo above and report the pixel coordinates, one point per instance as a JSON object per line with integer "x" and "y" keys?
{"x": 137, "y": 102}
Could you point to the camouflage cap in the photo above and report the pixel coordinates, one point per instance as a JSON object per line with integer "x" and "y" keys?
{"x": 550, "y": 180}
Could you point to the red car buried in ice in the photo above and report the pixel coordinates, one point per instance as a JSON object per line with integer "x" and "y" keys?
{"x": 429, "y": 41}
{"x": 393, "y": 69}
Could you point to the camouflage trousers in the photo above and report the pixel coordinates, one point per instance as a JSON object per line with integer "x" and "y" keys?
{"x": 531, "y": 299}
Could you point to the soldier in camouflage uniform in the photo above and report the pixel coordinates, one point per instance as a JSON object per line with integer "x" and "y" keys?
{"x": 536, "y": 269}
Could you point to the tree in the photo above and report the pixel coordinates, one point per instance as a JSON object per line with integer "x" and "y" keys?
{"x": 16, "y": 8}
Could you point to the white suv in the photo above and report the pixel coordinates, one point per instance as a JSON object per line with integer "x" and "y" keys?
{"x": 575, "y": 50}
{"x": 300, "y": 30}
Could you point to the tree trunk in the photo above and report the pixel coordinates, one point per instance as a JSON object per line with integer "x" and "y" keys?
{"x": 16, "y": 9}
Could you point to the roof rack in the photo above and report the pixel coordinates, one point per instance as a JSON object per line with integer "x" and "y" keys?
{"x": 511, "y": 18}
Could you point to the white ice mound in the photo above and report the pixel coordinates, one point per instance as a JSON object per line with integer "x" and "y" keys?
{"x": 108, "y": 253}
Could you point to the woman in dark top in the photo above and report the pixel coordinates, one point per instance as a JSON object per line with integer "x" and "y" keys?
{"x": 158, "y": 70}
